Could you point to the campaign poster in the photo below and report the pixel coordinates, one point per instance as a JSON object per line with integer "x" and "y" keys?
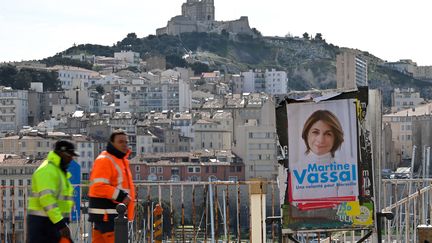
{"x": 324, "y": 175}
{"x": 323, "y": 152}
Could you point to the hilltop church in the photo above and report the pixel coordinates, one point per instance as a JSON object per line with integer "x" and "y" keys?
{"x": 199, "y": 16}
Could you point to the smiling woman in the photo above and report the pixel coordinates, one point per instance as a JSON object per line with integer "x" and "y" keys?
{"x": 323, "y": 168}
{"x": 322, "y": 133}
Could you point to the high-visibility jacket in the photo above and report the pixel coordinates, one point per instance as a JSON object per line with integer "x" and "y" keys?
{"x": 52, "y": 192}
{"x": 109, "y": 177}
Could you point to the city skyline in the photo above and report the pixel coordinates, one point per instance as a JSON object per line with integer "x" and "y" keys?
{"x": 390, "y": 32}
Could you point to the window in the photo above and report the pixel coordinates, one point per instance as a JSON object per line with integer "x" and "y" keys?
{"x": 192, "y": 169}
{"x": 239, "y": 168}
{"x": 153, "y": 170}
{"x": 82, "y": 153}
{"x": 137, "y": 168}
{"x": 137, "y": 177}
{"x": 159, "y": 170}
{"x": 214, "y": 169}
{"x": 82, "y": 145}
{"x": 250, "y": 135}
{"x": 89, "y": 154}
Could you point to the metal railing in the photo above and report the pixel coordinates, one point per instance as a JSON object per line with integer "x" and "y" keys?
{"x": 186, "y": 214}
{"x": 410, "y": 202}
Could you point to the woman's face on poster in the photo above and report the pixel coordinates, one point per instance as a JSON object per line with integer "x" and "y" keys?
{"x": 320, "y": 138}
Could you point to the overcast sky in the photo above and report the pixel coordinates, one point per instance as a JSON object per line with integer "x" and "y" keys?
{"x": 389, "y": 29}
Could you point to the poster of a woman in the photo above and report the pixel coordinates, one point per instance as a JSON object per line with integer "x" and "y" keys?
{"x": 323, "y": 167}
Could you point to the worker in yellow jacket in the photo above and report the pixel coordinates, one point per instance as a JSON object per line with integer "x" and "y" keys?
{"x": 51, "y": 200}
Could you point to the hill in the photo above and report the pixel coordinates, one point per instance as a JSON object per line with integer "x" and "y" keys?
{"x": 310, "y": 62}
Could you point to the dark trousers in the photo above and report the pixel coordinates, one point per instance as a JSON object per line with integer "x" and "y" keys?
{"x": 104, "y": 227}
{"x": 41, "y": 230}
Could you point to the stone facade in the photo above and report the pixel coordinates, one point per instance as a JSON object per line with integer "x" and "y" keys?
{"x": 199, "y": 16}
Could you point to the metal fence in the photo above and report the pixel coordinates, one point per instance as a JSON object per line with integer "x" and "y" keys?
{"x": 192, "y": 212}
{"x": 410, "y": 201}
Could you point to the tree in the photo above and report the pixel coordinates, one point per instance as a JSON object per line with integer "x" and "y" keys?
{"x": 199, "y": 67}
{"x": 7, "y": 74}
{"x": 100, "y": 89}
{"x": 318, "y": 37}
{"x": 305, "y": 36}
{"x": 256, "y": 32}
{"x": 175, "y": 61}
{"x": 21, "y": 79}
{"x": 132, "y": 36}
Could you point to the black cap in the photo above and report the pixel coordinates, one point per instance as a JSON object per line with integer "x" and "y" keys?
{"x": 65, "y": 146}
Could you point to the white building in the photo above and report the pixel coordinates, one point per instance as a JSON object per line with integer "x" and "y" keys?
{"x": 271, "y": 82}
{"x": 405, "y": 98}
{"x": 74, "y": 77}
{"x": 253, "y": 81}
{"x": 183, "y": 122}
{"x": 255, "y": 137}
{"x": 85, "y": 147}
{"x": 13, "y": 109}
{"x": 122, "y": 100}
{"x": 129, "y": 57}
{"x": 159, "y": 95}
{"x": 256, "y": 145}
{"x": 276, "y": 82}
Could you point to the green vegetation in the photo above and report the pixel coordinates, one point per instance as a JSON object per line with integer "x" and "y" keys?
{"x": 309, "y": 61}
{"x": 58, "y": 60}
{"x": 10, "y": 76}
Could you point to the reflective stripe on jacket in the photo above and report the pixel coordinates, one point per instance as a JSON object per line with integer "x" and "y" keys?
{"x": 109, "y": 176}
{"x": 52, "y": 192}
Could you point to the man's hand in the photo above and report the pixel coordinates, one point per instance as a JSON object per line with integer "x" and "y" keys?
{"x": 65, "y": 232}
{"x": 127, "y": 200}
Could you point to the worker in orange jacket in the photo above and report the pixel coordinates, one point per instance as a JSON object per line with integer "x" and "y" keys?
{"x": 110, "y": 184}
